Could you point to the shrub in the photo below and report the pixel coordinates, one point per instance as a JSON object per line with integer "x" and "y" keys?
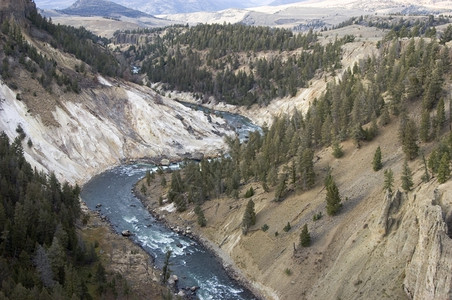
{"x": 249, "y": 193}
{"x": 287, "y": 227}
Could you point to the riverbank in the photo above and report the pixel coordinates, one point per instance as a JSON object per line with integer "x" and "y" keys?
{"x": 122, "y": 257}
{"x": 168, "y": 215}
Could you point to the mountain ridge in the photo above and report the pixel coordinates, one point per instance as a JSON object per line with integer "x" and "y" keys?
{"x": 103, "y": 8}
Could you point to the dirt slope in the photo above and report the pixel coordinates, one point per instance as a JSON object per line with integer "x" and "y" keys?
{"x": 379, "y": 246}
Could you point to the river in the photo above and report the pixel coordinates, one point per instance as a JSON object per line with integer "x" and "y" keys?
{"x": 111, "y": 194}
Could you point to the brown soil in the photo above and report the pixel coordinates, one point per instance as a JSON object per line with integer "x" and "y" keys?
{"x": 348, "y": 257}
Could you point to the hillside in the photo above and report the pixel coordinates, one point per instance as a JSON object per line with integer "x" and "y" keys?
{"x": 80, "y": 122}
{"x": 101, "y": 8}
{"x": 382, "y": 242}
{"x": 375, "y": 248}
{"x": 73, "y": 106}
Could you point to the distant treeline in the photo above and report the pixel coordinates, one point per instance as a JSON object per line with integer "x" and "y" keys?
{"x": 370, "y": 95}
{"x": 237, "y": 64}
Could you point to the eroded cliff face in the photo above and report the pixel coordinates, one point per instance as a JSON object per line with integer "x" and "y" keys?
{"x": 109, "y": 124}
{"x": 428, "y": 273}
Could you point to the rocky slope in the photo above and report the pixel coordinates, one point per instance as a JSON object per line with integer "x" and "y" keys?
{"x": 108, "y": 124}
{"x": 381, "y": 245}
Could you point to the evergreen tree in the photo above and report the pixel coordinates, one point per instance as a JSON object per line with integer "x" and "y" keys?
{"x": 306, "y": 167}
{"x": 407, "y": 177}
{"x": 333, "y": 199}
{"x": 424, "y": 130}
{"x": 305, "y": 237}
{"x": 440, "y": 115}
{"x": 385, "y": 118}
{"x": 444, "y": 169}
{"x": 201, "y": 218}
{"x": 249, "y": 217}
{"x": 376, "y": 163}
{"x": 389, "y": 180}
{"x": 287, "y": 227}
{"x": 281, "y": 189}
{"x": 166, "y": 271}
{"x": 337, "y": 150}
{"x": 408, "y": 136}
{"x": 426, "y": 176}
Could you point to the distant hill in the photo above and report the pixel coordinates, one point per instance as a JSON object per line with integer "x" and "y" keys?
{"x": 164, "y": 6}
{"x": 101, "y": 8}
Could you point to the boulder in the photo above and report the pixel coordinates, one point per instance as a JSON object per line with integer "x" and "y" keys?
{"x": 126, "y": 233}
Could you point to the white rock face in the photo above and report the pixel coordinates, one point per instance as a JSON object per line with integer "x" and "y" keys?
{"x": 428, "y": 273}
{"x": 110, "y": 124}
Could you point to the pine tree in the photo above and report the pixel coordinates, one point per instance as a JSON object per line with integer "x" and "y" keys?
{"x": 333, "y": 199}
{"x": 166, "y": 271}
{"x": 201, "y": 218}
{"x": 408, "y": 135}
{"x": 407, "y": 177}
{"x": 385, "y": 118}
{"x": 337, "y": 150}
{"x": 444, "y": 169}
{"x": 249, "y": 217}
{"x": 281, "y": 189}
{"x": 305, "y": 237}
{"x": 389, "y": 180}
{"x": 426, "y": 176}
{"x": 440, "y": 114}
{"x": 287, "y": 227}
{"x": 376, "y": 163}
{"x": 424, "y": 130}
{"x": 306, "y": 169}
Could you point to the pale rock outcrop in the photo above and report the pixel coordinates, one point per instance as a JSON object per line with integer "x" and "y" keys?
{"x": 109, "y": 124}
{"x": 429, "y": 272}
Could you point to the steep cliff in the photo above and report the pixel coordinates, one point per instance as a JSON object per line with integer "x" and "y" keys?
{"x": 108, "y": 124}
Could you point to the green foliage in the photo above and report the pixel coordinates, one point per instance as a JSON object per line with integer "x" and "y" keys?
{"x": 407, "y": 177}
{"x": 249, "y": 193}
{"x": 333, "y": 199}
{"x": 376, "y": 163}
{"x": 446, "y": 36}
{"x": 426, "y": 176}
{"x": 305, "y": 237}
{"x": 281, "y": 189}
{"x": 388, "y": 180}
{"x": 288, "y": 271}
{"x": 82, "y": 43}
{"x": 207, "y": 60}
{"x": 41, "y": 252}
{"x": 317, "y": 216}
{"x": 444, "y": 168}
{"x": 408, "y": 134}
{"x": 337, "y": 150}
{"x": 424, "y": 130}
{"x": 265, "y": 227}
{"x": 166, "y": 271}
{"x": 249, "y": 217}
{"x": 201, "y": 218}
{"x": 287, "y": 227}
